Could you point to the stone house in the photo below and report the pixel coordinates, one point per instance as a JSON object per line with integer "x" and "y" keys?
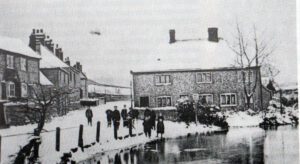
{"x": 221, "y": 86}
{"x": 19, "y": 68}
{"x": 196, "y": 68}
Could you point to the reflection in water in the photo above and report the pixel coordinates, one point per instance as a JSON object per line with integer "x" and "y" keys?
{"x": 243, "y": 145}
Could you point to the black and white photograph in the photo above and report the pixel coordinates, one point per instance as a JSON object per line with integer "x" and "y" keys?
{"x": 149, "y": 82}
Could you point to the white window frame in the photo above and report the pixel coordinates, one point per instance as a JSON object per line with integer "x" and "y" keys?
{"x": 8, "y": 93}
{"x": 203, "y": 73}
{"x": 226, "y": 94}
{"x": 10, "y": 61}
{"x": 23, "y": 93}
{"x": 161, "y": 97}
{"x": 207, "y": 94}
{"x": 23, "y": 64}
{"x": 162, "y": 83}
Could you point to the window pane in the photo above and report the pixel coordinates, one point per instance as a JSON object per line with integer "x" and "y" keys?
{"x": 223, "y": 99}
{"x": 163, "y": 101}
{"x": 23, "y": 64}
{"x": 209, "y": 99}
{"x": 159, "y": 102}
{"x": 227, "y": 99}
{"x": 168, "y": 101}
{"x": 199, "y": 77}
{"x": 208, "y": 76}
{"x": 232, "y": 99}
{"x": 157, "y": 80}
{"x": 167, "y": 79}
{"x": 162, "y": 79}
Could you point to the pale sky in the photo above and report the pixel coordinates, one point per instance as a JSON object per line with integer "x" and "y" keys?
{"x": 133, "y": 30}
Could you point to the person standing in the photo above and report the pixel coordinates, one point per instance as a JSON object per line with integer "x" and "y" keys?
{"x": 109, "y": 117}
{"x": 89, "y": 115}
{"x": 130, "y": 125}
{"x": 152, "y": 119}
{"x": 116, "y": 121}
{"x": 160, "y": 125}
{"x": 147, "y": 123}
{"x": 124, "y": 116}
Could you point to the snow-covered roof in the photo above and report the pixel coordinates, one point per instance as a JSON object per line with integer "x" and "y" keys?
{"x": 17, "y": 46}
{"x": 44, "y": 80}
{"x": 200, "y": 54}
{"x": 49, "y": 60}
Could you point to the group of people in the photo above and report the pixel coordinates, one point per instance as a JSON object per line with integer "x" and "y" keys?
{"x": 128, "y": 118}
{"x": 149, "y": 123}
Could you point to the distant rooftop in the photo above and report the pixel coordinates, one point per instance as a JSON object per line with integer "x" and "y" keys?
{"x": 49, "y": 60}
{"x": 17, "y": 46}
{"x": 106, "y": 85}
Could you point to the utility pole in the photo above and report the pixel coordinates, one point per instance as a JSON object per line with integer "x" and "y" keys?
{"x": 280, "y": 99}
{"x": 131, "y": 105}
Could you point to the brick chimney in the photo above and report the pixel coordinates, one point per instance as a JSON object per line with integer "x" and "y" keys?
{"x": 172, "y": 36}
{"x": 213, "y": 34}
{"x": 67, "y": 61}
{"x": 48, "y": 43}
{"x": 78, "y": 66}
{"x": 59, "y": 53}
{"x": 36, "y": 39}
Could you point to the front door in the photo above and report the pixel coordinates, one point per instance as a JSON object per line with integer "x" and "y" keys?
{"x": 144, "y": 101}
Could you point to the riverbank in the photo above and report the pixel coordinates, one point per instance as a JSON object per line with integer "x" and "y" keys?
{"x": 15, "y": 137}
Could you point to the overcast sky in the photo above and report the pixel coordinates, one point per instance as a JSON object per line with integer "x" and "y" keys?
{"x": 132, "y": 30}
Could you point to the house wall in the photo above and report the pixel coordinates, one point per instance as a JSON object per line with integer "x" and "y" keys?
{"x": 84, "y": 87}
{"x": 184, "y": 83}
{"x": 28, "y": 76}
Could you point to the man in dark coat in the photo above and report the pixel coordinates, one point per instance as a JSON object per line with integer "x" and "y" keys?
{"x": 124, "y": 116}
{"x": 160, "y": 125}
{"x": 152, "y": 119}
{"x": 109, "y": 114}
{"x": 89, "y": 115}
{"x": 116, "y": 121}
{"x": 147, "y": 123}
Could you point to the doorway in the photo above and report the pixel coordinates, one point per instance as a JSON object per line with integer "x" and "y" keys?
{"x": 144, "y": 101}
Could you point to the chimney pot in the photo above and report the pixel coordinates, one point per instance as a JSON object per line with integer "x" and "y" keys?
{"x": 172, "y": 36}
{"x": 213, "y": 34}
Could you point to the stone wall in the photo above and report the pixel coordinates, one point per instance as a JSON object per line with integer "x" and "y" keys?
{"x": 185, "y": 83}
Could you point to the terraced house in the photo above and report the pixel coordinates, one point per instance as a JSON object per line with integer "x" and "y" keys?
{"x": 19, "y": 68}
{"x": 206, "y": 74}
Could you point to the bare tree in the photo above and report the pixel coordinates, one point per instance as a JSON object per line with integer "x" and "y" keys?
{"x": 41, "y": 101}
{"x": 250, "y": 52}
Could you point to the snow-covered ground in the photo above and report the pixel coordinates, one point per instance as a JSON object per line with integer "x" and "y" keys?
{"x": 243, "y": 119}
{"x": 15, "y": 137}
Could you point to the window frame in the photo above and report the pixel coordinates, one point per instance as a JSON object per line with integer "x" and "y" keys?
{"x": 160, "y": 79}
{"x": 10, "y": 61}
{"x": 162, "y": 97}
{"x": 203, "y": 82}
{"x": 23, "y": 64}
{"x": 22, "y": 93}
{"x": 8, "y": 89}
{"x": 207, "y": 94}
{"x": 230, "y": 99}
